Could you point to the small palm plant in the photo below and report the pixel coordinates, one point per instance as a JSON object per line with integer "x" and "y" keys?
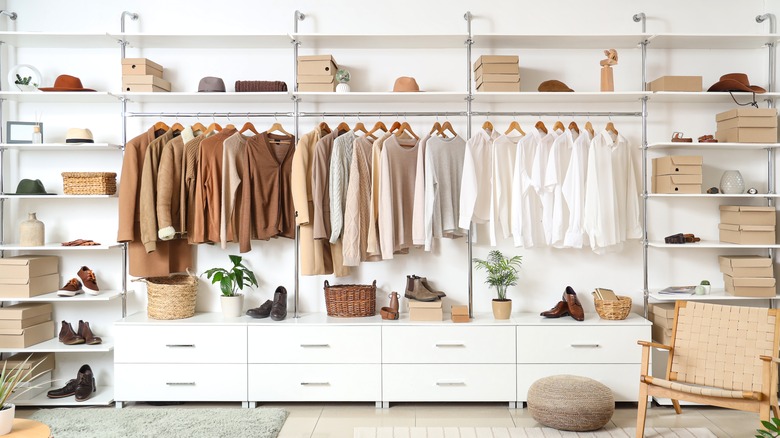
{"x": 501, "y": 271}
{"x": 232, "y": 281}
{"x": 11, "y": 378}
{"x": 772, "y": 429}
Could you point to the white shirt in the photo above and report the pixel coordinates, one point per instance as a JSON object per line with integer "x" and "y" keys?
{"x": 475, "y": 185}
{"x": 557, "y": 165}
{"x": 573, "y": 191}
{"x": 504, "y": 152}
{"x": 418, "y": 210}
{"x": 538, "y": 174}
{"x": 526, "y": 207}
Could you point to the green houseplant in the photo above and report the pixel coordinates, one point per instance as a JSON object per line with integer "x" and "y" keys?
{"x": 772, "y": 429}
{"x": 9, "y": 383}
{"x": 501, "y": 273}
{"x": 231, "y": 282}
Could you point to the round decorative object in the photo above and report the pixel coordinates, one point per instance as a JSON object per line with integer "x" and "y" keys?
{"x": 713, "y": 190}
{"x": 731, "y": 183}
{"x": 342, "y": 87}
{"x": 24, "y": 77}
{"x": 31, "y": 231}
{"x": 574, "y": 403}
{"x": 752, "y": 191}
{"x": 342, "y": 75}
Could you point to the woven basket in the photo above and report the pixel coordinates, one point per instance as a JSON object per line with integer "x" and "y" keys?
{"x": 350, "y": 300}
{"x": 89, "y": 183}
{"x": 611, "y": 309}
{"x": 171, "y": 297}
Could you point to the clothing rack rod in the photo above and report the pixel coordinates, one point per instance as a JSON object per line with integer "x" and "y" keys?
{"x": 558, "y": 113}
{"x": 387, "y": 114}
{"x": 225, "y": 115}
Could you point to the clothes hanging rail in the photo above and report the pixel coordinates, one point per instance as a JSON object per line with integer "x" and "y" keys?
{"x": 202, "y": 114}
{"x": 558, "y": 113}
{"x": 386, "y": 114}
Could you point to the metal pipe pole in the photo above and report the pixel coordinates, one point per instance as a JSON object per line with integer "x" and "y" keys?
{"x": 770, "y": 152}
{"x": 123, "y": 44}
{"x": 469, "y": 98}
{"x": 299, "y": 16}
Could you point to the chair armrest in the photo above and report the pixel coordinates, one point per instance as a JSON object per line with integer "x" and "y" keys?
{"x": 654, "y": 345}
{"x": 769, "y": 359}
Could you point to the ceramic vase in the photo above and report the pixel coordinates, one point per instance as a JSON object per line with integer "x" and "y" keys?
{"x": 342, "y": 87}
{"x": 731, "y": 183}
{"x": 7, "y": 418}
{"x": 502, "y": 308}
{"x": 31, "y": 231}
{"x": 232, "y": 306}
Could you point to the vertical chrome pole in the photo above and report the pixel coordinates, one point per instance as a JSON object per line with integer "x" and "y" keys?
{"x": 770, "y": 152}
{"x": 12, "y": 16}
{"x": 123, "y": 44}
{"x": 645, "y": 259}
{"x": 296, "y": 118}
{"x": 469, "y": 98}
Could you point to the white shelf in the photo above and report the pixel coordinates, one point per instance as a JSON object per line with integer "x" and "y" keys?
{"x": 697, "y": 145}
{"x": 382, "y": 97}
{"x": 55, "y": 346}
{"x": 387, "y": 41}
{"x": 707, "y": 195}
{"x": 571, "y": 97}
{"x": 56, "y": 196}
{"x": 708, "y": 244}
{"x": 201, "y": 41}
{"x": 58, "y": 247}
{"x": 706, "y": 97}
{"x": 103, "y": 397}
{"x": 195, "y": 97}
{"x": 59, "y": 96}
{"x": 711, "y": 41}
{"x": 91, "y": 147}
{"x": 715, "y": 294}
{"x": 105, "y": 295}
{"x": 58, "y": 40}
{"x": 519, "y": 41}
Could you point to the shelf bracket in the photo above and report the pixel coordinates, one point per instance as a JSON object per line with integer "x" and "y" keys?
{"x": 772, "y": 21}
{"x": 643, "y": 18}
{"x": 10, "y": 14}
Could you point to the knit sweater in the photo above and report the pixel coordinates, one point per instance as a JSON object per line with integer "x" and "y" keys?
{"x": 340, "y": 159}
{"x": 358, "y": 205}
{"x": 398, "y": 167}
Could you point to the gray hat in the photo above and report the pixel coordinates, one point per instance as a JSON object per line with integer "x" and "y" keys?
{"x": 211, "y": 84}
{"x": 30, "y": 187}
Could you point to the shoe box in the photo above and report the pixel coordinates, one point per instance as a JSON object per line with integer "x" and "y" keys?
{"x": 497, "y": 73}
{"x": 460, "y": 314}
{"x": 676, "y": 83}
{"x": 745, "y": 224}
{"x": 27, "y": 276}
{"x": 44, "y": 368}
{"x": 425, "y": 310}
{"x": 143, "y": 75}
{"x": 662, "y": 317}
{"x": 747, "y": 125}
{"x": 748, "y": 276}
{"x": 677, "y": 174}
{"x": 317, "y": 73}
{"x": 25, "y": 324}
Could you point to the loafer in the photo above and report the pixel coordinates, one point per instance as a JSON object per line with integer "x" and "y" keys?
{"x": 85, "y": 383}
{"x": 261, "y": 312}
{"x": 68, "y": 336}
{"x": 576, "y": 310}
{"x": 87, "y": 277}
{"x": 279, "y": 306}
{"x": 71, "y": 288}
{"x": 66, "y": 391}
{"x": 560, "y": 309}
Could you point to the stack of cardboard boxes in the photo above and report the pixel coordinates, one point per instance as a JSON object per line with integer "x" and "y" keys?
{"x": 747, "y": 225}
{"x": 25, "y": 324}
{"x": 662, "y": 317}
{"x": 747, "y": 125}
{"x": 425, "y": 310}
{"x": 317, "y": 73}
{"x": 676, "y": 83}
{"x": 497, "y": 73}
{"x": 677, "y": 174}
{"x": 143, "y": 75}
{"x": 44, "y": 366}
{"x": 748, "y": 276}
{"x": 27, "y": 276}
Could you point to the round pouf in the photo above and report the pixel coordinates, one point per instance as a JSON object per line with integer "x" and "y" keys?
{"x": 572, "y": 403}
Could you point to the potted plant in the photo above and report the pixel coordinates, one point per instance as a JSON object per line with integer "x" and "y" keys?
{"x": 23, "y": 83}
{"x": 342, "y": 76}
{"x": 501, "y": 273}
{"x": 231, "y": 283}
{"x": 9, "y": 383}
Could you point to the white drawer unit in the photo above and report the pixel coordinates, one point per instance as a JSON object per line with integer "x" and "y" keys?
{"x": 314, "y": 344}
{"x": 448, "y": 344}
{"x": 321, "y": 382}
{"x": 449, "y": 382}
{"x": 180, "y": 382}
{"x": 622, "y": 379}
{"x": 583, "y": 344}
{"x": 180, "y": 344}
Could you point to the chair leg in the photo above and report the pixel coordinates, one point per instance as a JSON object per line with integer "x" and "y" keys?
{"x": 641, "y": 411}
{"x": 775, "y": 411}
{"x": 677, "y": 408}
{"x": 763, "y": 411}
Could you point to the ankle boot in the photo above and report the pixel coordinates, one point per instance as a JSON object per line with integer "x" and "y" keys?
{"x": 279, "y": 307}
{"x": 409, "y": 283}
{"x": 424, "y": 281}
{"x": 68, "y": 336}
{"x": 420, "y": 292}
{"x": 86, "y": 333}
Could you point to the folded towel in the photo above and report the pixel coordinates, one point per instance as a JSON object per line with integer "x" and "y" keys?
{"x": 260, "y": 86}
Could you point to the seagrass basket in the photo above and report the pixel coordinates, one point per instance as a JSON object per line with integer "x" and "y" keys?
{"x": 611, "y": 309}
{"x": 350, "y": 300}
{"x": 89, "y": 183}
{"x": 171, "y": 297}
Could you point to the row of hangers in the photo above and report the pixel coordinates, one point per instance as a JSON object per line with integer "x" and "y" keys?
{"x": 216, "y": 127}
{"x": 558, "y": 126}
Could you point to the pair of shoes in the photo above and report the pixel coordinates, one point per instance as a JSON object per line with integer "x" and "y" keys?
{"x": 261, "y": 312}
{"x": 678, "y": 137}
{"x": 73, "y": 286}
{"x": 680, "y": 238}
{"x": 279, "y": 306}
{"x": 83, "y": 336}
{"x": 82, "y": 386}
{"x": 568, "y": 306}
{"x": 417, "y": 288}
{"x": 707, "y": 139}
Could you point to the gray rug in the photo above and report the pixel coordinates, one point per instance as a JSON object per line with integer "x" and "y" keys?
{"x": 135, "y": 422}
{"x": 524, "y": 432}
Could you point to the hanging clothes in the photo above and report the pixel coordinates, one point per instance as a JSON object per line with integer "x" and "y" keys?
{"x": 188, "y": 183}
{"x": 573, "y": 191}
{"x": 373, "y": 247}
{"x": 527, "y": 230}
{"x": 557, "y": 165}
{"x": 475, "y": 185}
{"x": 169, "y": 181}
{"x": 398, "y": 167}
{"x": 340, "y": 160}
{"x": 538, "y": 174}
{"x": 444, "y": 159}
{"x": 208, "y": 190}
{"x": 418, "y": 209}
{"x": 504, "y": 154}
{"x": 357, "y": 209}
{"x": 148, "y": 204}
{"x": 233, "y": 163}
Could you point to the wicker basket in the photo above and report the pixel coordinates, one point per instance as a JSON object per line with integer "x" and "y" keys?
{"x": 350, "y": 300}
{"x": 171, "y": 297}
{"x": 89, "y": 183}
{"x": 611, "y": 309}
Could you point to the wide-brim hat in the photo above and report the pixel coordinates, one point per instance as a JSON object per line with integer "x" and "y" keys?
{"x": 66, "y": 83}
{"x": 554, "y": 86}
{"x": 79, "y": 135}
{"x": 211, "y": 84}
{"x": 30, "y": 187}
{"x": 735, "y": 82}
{"x": 405, "y": 84}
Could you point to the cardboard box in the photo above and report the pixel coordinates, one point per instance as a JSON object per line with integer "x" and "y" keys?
{"x": 23, "y": 338}
{"x": 662, "y": 335}
{"x": 747, "y": 234}
{"x": 316, "y": 79}
{"x": 497, "y": 77}
{"x": 22, "y": 311}
{"x": 140, "y": 88}
{"x": 46, "y": 361}
{"x": 141, "y": 66}
{"x": 317, "y": 87}
{"x": 748, "y": 122}
{"x": 676, "y": 83}
{"x": 747, "y": 135}
{"x": 678, "y": 165}
{"x": 29, "y": 287}
{"x": 676, "y": 184}
{"x": 127, "y": 81}
{"x": 317, "y": 65}
{"x": 26, "y": 266}
{"x": 746, "y": 266}
{"x": 425, "y": 311}
{"x": 748, "y": 112}
{"x": 497, "y": 68}
{"x": 749, "y": 286}
{"x": 663, "y": 310}
{"x": 665, "y": 323}
{"x": 35, "y": 387}
{"x": 498, "y": 86}
{"x": 24, "y": 323}
{"x": 460, "y": 314}
{"x": 747, "y": 215}
{"x": 496, "y": 59}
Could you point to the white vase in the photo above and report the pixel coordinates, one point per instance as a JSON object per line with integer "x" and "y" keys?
{"x": 232, "y": 306}
{"x": 7, "y": 418}
{"x": 342, "y": 87}
{"x": 731, "y": 183}
{"x": 31, "y": 231}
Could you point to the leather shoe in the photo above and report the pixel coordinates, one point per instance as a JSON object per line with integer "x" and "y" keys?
{"x": 261, "y": 312}
{"x": 85, "y": 383}
{"x": 279, "y": 306}
{"x": 68, "y": 336}
{"x": 66, "y": 391}
{"x": 87, "y": 277}
{"x": 560, "y": 309}
{"x": 420, "y": 292}
{"x": 86, "y": 333}
{"x": 424, "y": 282}
{"x": 575, "y": 307}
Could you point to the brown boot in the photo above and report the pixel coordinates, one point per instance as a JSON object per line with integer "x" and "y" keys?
{"x": 86, "y": 333}
{"x": 575, "y": 308}
{"x": 420, "y": 292}
{"x": 424, "y": 281}
{"x": 68, "y": 336}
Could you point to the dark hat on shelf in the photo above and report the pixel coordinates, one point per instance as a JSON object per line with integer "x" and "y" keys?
{"x": 30, "y": 187}
{"x": 79, "y": 135}
{"x": 405, "y": 84}
{"x": 66, "y": 83}
{"x": 211, "y": 84}
{"x": 554, "y": 86}
{"x": 735, "y": 82}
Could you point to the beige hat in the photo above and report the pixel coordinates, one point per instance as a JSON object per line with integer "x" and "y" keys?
{"x": 405, "y": 84}
{"x": 78, "y": 135}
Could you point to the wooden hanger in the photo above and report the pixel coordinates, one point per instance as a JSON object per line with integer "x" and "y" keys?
{"x": 161, "y": 126}
{"x": 589, "y": 128}
{"x": 558, "y": 126}
{"x": 248, "y": 126}
{"x": 230, "y": 126}
{"x": 436, "y": 128}
{"x": 213, "y": 127}
{"x": 573, "y": 127}
{"x": 487, "y": 126}
{"x": 177, "y": 127}
{"x": 378, "y": 126}
{"x": 405, "y": 128}
{"x": 324, "y": 128}
{"x": 278, "y": 128}
{"x": 447, "y": 126}
{"x": 359, "y": 126}
{"x": 395, "y": 127}
{"x": 514, "y": 126}
{"x": 611, "y": 128}
{"x": 199, "y": 127}
{"x": 540, "y": 126}
{"x": 343, "y": 127}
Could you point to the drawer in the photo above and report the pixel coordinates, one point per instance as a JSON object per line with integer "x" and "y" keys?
{"x": 580, "y": 344}
{"x": 314, "y": 344}
{"x": 315, "y": 383}
{"x": 177, "y": 382}
{"x": 180, "y": 344}
{"x": 449, "y": 382}
{"x": 448, "y": 344}
{"x": 622, "y": 379}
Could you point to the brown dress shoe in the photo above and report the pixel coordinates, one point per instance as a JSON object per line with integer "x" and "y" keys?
{"x": 68, "y": 336}
{"x": 85, "y": 383}
{"x": 86, "y": 333}
{"x": 420, "y": 292}
{"x": 575, "y": 307}
{"x": 560, "y": 309}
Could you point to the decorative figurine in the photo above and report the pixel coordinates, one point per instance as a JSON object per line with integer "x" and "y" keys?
{"x": 752, "y": 191}
{"x": 713, "y": 191}
{"x": 342, "y": 76}
{"x": 607, "y": 81}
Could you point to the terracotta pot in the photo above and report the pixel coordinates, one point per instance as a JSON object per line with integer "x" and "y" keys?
{"x": 502, "y": 309}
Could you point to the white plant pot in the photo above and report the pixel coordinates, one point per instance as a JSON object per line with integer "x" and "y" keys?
{"x": 232, "y": 306}
{"x": 7, "y": 418}
{"x": 342, "y": 87}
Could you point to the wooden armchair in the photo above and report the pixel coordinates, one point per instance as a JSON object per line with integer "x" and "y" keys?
{"x": 720, "y": 355}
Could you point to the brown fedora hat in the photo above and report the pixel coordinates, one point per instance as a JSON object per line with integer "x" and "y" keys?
{"x": 66, "y": 83}
{"x": 554, "y": 85}
{"x": 735, "y": 82}
{"x": 405, "y": 84}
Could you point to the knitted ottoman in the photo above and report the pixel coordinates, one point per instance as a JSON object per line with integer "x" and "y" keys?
{"x": 572, "y": 403}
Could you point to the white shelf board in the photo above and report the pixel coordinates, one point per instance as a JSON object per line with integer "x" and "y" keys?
{"x": 708, "y": 244}
{"x": 103, "y": 397}
{"x": 91, "y": 147}
{"x": 195, "y": 97}
{"x": 105, "y": 295}
{"x": 382, "y": 97}
{"x": 715, "y": 294}
{"x": 57, "y": 247}
{"x": 204, "y": 41}
{"x": 571, "y": 97}
{"x": 697, "y": 145}
{"x": 385, "y": 41}
{"x": 706, "y": 97}
{"x": 59, "y": 96}
{"x": 713, "y": 196}
{"x": 711, "y": 41}
{"x": 57, "y": 196}
{"x": 55, "y": 346}
{"x": 58, "y": 40}
{"x": 521, "y": 41}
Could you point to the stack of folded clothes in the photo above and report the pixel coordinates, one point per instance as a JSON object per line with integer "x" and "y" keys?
{"x": 260, "y": 86}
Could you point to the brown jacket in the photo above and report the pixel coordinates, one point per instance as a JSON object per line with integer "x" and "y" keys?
{"x": 188, "y": 181}
{"x": 169, "y": 176}
{"x": 208, "y": 188}
{"x": 148, "y": 203}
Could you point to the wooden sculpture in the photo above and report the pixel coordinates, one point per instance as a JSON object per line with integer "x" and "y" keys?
{"x": 607, "y": 81}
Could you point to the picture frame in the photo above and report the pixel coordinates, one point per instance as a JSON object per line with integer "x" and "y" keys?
{"x": 20, "y": 132}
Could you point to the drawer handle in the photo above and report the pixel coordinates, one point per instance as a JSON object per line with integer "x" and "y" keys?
{"x": 180, "y": 345}
{"x": 445, "y": 345}
{"x": 585, "y": 345}
{"x": 315, "y": 345}
{"x": 315, "y": 383}
{"x": 180, "y": 383}
{"x": 451, "y": 383}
